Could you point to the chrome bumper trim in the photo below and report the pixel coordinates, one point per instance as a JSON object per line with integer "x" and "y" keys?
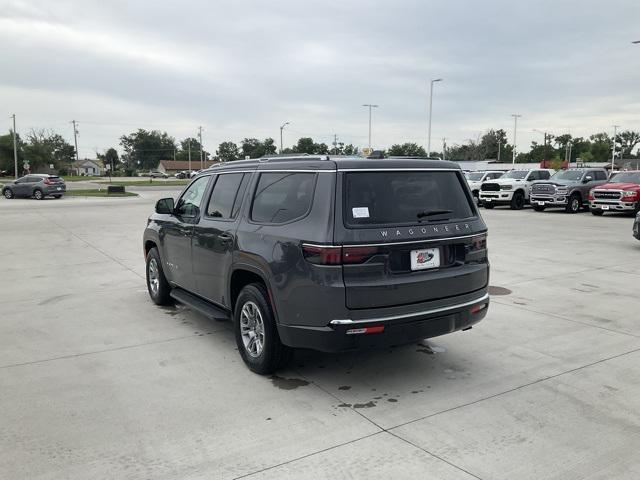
{"x": 410, "y": 315}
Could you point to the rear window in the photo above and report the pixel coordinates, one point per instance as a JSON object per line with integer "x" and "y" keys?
{"x": 396, "y": 198}
{"x": 282, "y": 197}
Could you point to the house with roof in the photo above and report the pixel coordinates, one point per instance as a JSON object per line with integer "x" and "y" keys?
{"x": 86, "y": 167}
{"x": 171, "y": 167}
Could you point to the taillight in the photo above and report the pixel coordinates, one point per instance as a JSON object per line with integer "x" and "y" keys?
{"x": 321, "y": 255}
{"x": 357, "y": 254}
{"x": 479, "y": 242}
{"x": 332, "y": 255}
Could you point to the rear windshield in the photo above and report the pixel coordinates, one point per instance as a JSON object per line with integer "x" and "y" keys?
{"x": 397, "y": 198}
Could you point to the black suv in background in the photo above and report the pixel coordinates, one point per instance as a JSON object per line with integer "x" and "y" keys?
{"x": 324, "y": 253}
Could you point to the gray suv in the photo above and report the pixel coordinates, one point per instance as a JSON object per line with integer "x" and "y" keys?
{"x": 568, "y": 189}
{"x": 35, "y": 186}
{"x": 327, "y": 253}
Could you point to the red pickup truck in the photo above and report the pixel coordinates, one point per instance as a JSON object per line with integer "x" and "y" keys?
{"x": 621, "y": 194}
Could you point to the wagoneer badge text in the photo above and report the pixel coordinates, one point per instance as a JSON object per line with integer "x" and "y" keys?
{"x": 430, "y": 229}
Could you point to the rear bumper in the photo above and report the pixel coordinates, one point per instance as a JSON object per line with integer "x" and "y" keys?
{"x": 342, "y": 334}
{"x": 55, "y": 191}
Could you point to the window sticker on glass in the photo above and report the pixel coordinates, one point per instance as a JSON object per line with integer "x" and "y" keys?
{"x": 360, "y": 212}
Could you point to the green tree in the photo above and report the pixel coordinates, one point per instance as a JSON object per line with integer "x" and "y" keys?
{"x": 6, "y": 153}
{"x": 144, "y": 149}
{"x": 254, "y": 148}
{"x": 628, "y": 141}
{"x": 111, "y": 159}
{"x": 305, "y": 145}
{"x": 407, "y": 150}
{"x": 350, "y": 150}
{"x": 227, "y": 152}
{"x": 191, "y": 143}
{"x": 44, "y": 147}
{"x": 600, "y": 147}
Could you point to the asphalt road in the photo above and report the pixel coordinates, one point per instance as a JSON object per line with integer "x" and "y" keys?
{"x": 97, "y": 382}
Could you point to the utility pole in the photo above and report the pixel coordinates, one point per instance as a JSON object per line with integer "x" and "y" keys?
{"x": 499, "y": 143}
{"x": 430, "y": 110}
{"x": 515, "y": 133}
{"x": 201, "y": 157}
{"x": 15, "y": 147}
{"x": 75, "y": 138}
{"x": 613, "y": 147}
{"x": 189, "y": 155}
{"x": 370, "y": 107}
{"x": 444, "y": 148}
{"x": 281, "y": 129}
{"x": 335, "y": 144}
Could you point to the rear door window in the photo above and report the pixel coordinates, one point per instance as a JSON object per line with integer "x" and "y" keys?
{"x": 224, "y": 195}
{"x": 401, "y": 198}
{"x": 600, "y": 175}
{"x": 282, "y": 197}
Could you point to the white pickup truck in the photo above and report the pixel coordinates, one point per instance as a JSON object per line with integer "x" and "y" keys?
{"x": 475, "y": 179}
{"x": 512, "y": 188}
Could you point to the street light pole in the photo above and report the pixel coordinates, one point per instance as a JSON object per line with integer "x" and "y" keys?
{"x": 281, "y": 129}
{"x": 430, "y": 111}
{"x": 15, "y": 147}
{"x": 201, "y": 153}
{"x": 370, "y": 107}
{"x": 515, "y": 133}
{"x": 613, "y": 147}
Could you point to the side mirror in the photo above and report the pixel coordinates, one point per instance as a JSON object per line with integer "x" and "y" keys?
{"x": 587, "y": 179}
{"x": 165, "y": 206}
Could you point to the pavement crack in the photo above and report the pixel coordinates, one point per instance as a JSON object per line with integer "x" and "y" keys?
{"x": 515, "y": 389}
{"x": 562, "y": 317}
{"x": 106, "y": 350}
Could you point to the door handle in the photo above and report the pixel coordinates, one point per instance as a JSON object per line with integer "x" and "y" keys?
{"x": 225, "y": 238}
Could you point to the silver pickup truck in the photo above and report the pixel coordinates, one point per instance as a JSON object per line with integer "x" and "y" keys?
{"x": 568, "y": 189}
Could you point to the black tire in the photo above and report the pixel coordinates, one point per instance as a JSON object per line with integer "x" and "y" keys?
{"x": 574, "y": 204}
{"x": 597, "y": 212}
{"x": 8, "y": 193}
{"x": 517, "y": 201}
{"x": 488, "y": 205}
{"x": 38, "y": 194}
{"x": 57, "y": 196}
{"x": 273, "y": 354}
{"x": 539, "y": 208}
{"x": 159, "y": 292}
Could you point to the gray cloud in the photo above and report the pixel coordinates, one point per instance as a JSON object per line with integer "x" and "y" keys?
{"x": 241, "y": 68}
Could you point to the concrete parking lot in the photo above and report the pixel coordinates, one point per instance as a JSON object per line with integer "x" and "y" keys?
{"x": 97, "y": 382}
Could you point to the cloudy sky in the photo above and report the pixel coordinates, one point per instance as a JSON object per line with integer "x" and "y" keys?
{"x": 242, "y": 68}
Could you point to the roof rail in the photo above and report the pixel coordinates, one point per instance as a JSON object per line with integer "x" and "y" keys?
{"x": 292, "y": 156}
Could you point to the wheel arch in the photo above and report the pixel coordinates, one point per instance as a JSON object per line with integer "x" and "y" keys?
{"x": 243, "y": 275}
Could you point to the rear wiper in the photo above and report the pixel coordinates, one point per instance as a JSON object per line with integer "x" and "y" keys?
{"x": 430, "y": 213}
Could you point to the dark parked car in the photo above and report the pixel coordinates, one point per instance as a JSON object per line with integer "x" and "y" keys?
{"x": 568, "y": 189}
{"x": 324, "y": 253}
{"x": 36, "y": 186}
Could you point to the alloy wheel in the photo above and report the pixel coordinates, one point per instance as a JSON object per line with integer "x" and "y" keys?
{"x": 252, "y": 329}
{"x": 154, "y": 276}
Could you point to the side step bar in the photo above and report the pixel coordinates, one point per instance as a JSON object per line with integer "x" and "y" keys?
{"x": 202, "y": 306}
